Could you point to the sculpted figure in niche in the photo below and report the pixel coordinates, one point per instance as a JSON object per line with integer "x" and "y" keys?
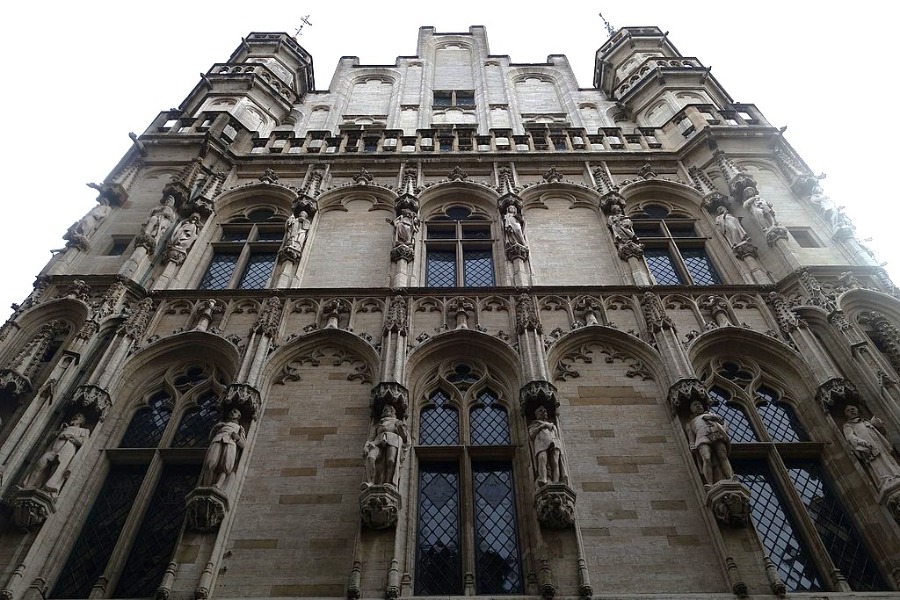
{"x": 761, "y": 211}
{"x": 160, "y": 218}
{"x": 514, "y": 226}
{"x": 186, "y": 233}
{"x": 621, "y": 226}
{"x": 871, "y": 447}
{"x": 834, "y": 213}
{"x": 383, "y": 449}
{"x": 295, "y": 229}
{"x": 226, "y": 438}
{"x": 89, "y": 222}
{"x": 406, "y": 224}
{"x": 730, "y": 227}
{"x": 547, "y": 448}
{"x": 709, "y": 441}
{"x": 52, "y": 469}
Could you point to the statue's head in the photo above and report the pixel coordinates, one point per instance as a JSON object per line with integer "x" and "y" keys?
{"x": 78, "y": 419}
{"x": 388, "y": 411}
{"x": 697, "y": 408}
{"x": 512, "y": 210}
{"x": 169, "y": 200}
{"x": 615, "y": 209}
{"x": 749, "y": 192}
{"x": 851, "y": 412}
{"x": 722, "y": 210}
{"x": 304, "y": 214}
{"x": 234, "y": 415}
{"x": 540, "y": 413}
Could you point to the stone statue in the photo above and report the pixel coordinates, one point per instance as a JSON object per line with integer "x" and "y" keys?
{"x": 226, "y": 438}
{"x": 186, "y": 233}
{"x": 620, "y": 225}
{"x": 730, "y": 227}
{"x": 383, "y": 449}
{"x": 709, "y": 441}
{"x": 834, "y": 213}
{"x": 871, "y": 447}
{"x": 514, "y": 227}
{"x": 406, "y": 224}
{"x": 546, "y": 448}
{"x": 160, "y": 219}
{"x": 295, "y": 229}
{"x": 761, "y": 211}
{"x": 89, "y": 222}
{"x": 52, "y": 469}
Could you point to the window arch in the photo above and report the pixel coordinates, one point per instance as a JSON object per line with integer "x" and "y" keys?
{"x": 145, "y": 464}
{"x": 459, "y": 248}
{"x": 675, "y": 254}
{"x": 247, "y": 250}
{"x": 475, "y": 463}
{"x": 772, "y": 447}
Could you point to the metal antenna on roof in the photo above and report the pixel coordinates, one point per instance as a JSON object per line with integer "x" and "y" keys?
{"x": 609, "y": 28}
{"x": 304, "y": 21}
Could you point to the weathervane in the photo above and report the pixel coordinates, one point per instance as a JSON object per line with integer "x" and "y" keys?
{"x": 609, "y": 28}
{"x": 304, "y": 21}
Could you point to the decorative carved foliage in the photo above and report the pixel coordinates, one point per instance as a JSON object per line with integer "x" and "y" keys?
{"x": 359, "y": 371}
{"x": 332, "y": 312}
{"x": 31, "y": 508}
{"x": 552, "y": 175}
{"x": 269, "y": 318}
{"x": 586, "y": 353}
{"x": 457, "y": 174}
{"x": 243, "y": 397}
{"x": 654, "y": 313}
{"x": 397, "y": 318}
{"x": 379, "y": 506}
{"x": 835, "y": 393}
{"x": 730, "y": 503}
{"x": 205, "y": 510}
{"x": 526, "y": 315}
{"x": 135, "y": 326}
{"x": 784, "y": 313}
{"x": 93, "y": 400}
{"x": 685, "y": 391}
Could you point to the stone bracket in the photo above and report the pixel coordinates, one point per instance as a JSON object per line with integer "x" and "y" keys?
{"x": 379, "y": 506}
{"x": 729, "y": 501}
{"x": 32, "y": 507}
{"x": 206, "y": 507}
{"x": 555, "y": 505}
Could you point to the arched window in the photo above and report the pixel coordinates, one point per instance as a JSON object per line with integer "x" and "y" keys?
{"x": 674, "y": 253}
{"x": 768, "y": 436}
{"x": 480, "y": 470}
{"x": 146, "y": 459}
{"x": 458, "y": 251}
{"x": 245, "y": 254}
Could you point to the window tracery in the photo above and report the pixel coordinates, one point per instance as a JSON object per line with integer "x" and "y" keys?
{"x": 773, "y": 448}
{"x": 467, "y": 417}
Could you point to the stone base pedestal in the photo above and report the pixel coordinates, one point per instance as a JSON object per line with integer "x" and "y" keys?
{"x": 206, "y": 507}
{"x": 730, "y": 503}
{"x": 379, "y": 506}
{"x": 889, "y": 497}
{"x": 555, "y": 505}
{"x": 32, "y": 507}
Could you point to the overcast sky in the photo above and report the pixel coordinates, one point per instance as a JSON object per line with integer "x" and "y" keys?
{"x": 79, "y": 76}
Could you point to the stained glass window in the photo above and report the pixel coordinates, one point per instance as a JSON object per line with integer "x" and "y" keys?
{"x": 776, "y": 529}
{"x": 148, "y": 423}
{"x": 834, "y": 526}
{"x": 156, "y": 539}
{"x": 497, "y": 569}
{"x": 438, "y": 560}
{"x": 100, "y": 532}
{"x": 439, "y": 423}
{"x": 488, "y": 421}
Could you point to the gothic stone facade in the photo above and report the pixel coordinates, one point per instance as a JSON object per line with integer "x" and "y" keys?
{"x": 454, "y": 326}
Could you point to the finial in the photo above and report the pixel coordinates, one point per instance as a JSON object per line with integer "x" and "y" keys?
{"x": 304, "y": 21}
{"x": 609, "y": 28}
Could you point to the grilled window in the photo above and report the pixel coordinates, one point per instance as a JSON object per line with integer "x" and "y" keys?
{"x": 245, "y": 255}
{"x": 459, "y": 250}
{"x": 674, "y": 253}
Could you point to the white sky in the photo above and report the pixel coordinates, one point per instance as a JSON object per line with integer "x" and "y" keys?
{"x": 80, "y": 75}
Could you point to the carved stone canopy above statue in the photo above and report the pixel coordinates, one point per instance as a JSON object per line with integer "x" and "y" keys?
{"x": 538, "y": 393}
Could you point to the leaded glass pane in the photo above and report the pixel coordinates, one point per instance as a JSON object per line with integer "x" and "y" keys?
{"x": 655, "y": 211}
{"x": 438, "y": 564}
{"x": 458, "y": 213}
{"x": 476, "y": 233}
{"x": 219, "y": 273}
{"x": 776, "y": 529}
{"x": 661, "y": 266}
{"x": 478, "y": 268}
{"x": 193, "y": 430}
{"x": 101, "y": 530}
{"x": 779, "y": 417}
{"x": 235, "y": 236}
{"x": 834, "y": 526}
{"x": 439, "y": 424}
{"x": 739, "y": 428}
{"x": 497, "y": 569}
{"x": 155, "y": 542}
{"x": 699, "y": 267}
{"x": 489, "y": 423}
{"x": 441, "y": 268}
{"x": 270, "y": 236}
{"x": 148, "y": 423}
{"x": 259, "y": 267}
